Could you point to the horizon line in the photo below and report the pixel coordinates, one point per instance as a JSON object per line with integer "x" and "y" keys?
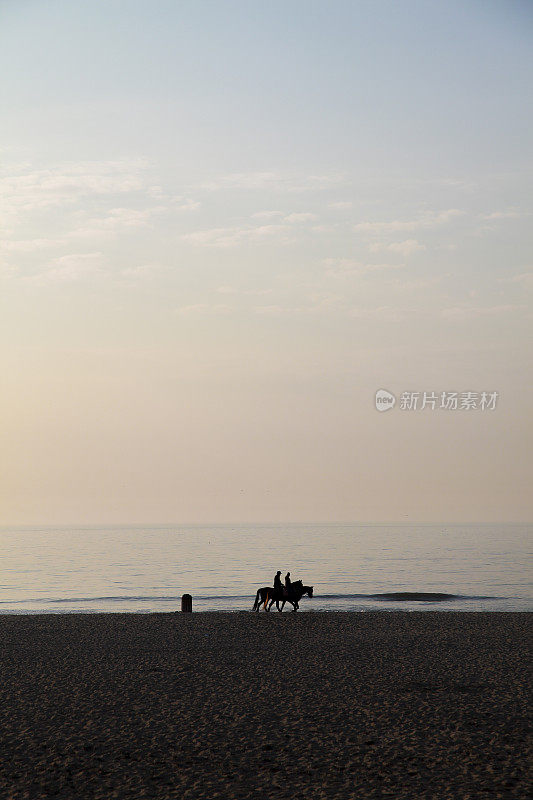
{"x": 256, "y": 523}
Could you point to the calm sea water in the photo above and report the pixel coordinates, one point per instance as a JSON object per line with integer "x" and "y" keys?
{"x": 351, "y": 566}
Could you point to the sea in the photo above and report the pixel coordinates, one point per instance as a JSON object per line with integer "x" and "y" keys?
{"x": 351, "y": 567}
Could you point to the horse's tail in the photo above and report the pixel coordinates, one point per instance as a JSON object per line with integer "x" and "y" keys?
{"x": 256, "y": 604}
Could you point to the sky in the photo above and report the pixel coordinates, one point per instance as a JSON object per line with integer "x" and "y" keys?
{"x": 226, "y": 225}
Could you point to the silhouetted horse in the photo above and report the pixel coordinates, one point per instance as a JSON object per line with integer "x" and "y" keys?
{"x": 268, "y": 595}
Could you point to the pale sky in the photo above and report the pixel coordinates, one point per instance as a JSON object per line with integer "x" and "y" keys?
{"x": 226, "y": 225}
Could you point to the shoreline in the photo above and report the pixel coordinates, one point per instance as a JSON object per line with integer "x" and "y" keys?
{"x": 326, "y": 705}
{"x": 233, "y": 612}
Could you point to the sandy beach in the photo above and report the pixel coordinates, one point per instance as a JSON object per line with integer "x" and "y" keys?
{"x": 341, "y": 705}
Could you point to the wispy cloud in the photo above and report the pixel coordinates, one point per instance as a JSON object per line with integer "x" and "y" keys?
{"x": 318, "y": 302}
{"x": 175, "y": 202}
{"x": 341, "y": 205}
{"x": 273, "y": 179}
{"x": 116, "y": 219}
{"x": 405, "y": 248}
{"x": 425, "y": 221}
{"x": 342, "y": 267}
{"x": 522, "y": 278}
{"x": 510, "y": 214}
{"x": 72, "y": 188}
{"x": 243, "y": 180}
{"x": 278, "y": 310}
{"x": 302, "y": 216}
{"x": 495, "y": 220}
{"x": 138, "y": 275}
{"x": 204, "y": 308}
{"x": 467, "y": 311}
{"x": 66, "y": 183}
{"x": 232, "y": 290}
{"x": 387, "y": 313}
{"x": 186, "y": 204}
{"x": 231, "y": 237}
{"x": 281, "y": 231}
{"x": 29, "y": 245}
{"x": 267, "y": 214}
{"x": 84, "y": 267}
{"x": 70, "y": 268}
{"x": 7, "y": 271}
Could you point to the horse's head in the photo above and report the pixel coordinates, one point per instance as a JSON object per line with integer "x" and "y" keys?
{"x": 309, "y": 590}
{"x": 298, "y": 583}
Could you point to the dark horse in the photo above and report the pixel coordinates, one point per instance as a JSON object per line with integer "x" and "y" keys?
{"x": 269, "y": 595}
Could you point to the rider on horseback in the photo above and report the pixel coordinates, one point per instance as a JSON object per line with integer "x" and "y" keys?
{"x": 268, "y": 596}
{"x": 278, "y": 586}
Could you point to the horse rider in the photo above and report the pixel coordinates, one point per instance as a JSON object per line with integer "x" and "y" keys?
{"x": 278, "y": 586}
{"x": 288, "y": 585}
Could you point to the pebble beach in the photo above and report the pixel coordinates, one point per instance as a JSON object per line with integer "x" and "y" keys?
{"x": 243, "y": 705}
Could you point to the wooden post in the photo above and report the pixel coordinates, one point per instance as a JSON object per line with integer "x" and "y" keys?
{"x": 186, "y": 602}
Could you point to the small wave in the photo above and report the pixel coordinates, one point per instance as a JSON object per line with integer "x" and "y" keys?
{"x": 434, "y": 597}
{"x": 126, "y": 598}
{"x": 109, "y": 598}
{"x": 407, "y": 596}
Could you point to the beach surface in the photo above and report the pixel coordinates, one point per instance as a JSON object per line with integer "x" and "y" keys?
{"x": 242, "y": 705}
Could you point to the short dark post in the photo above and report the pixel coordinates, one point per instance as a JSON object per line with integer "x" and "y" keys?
{"x": 186, "y": 602}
